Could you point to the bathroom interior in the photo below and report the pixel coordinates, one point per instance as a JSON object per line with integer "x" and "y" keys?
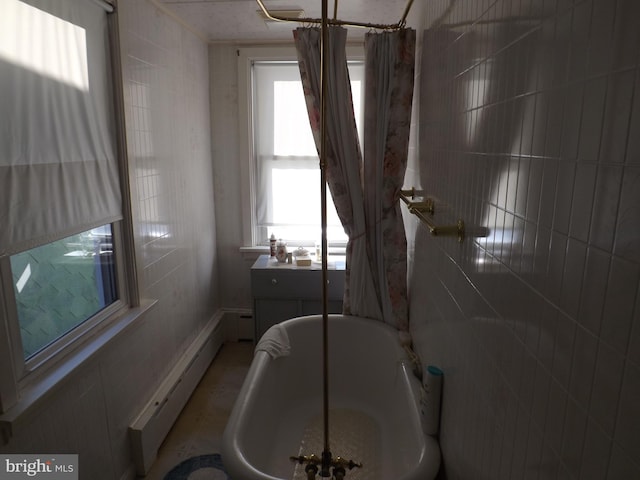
{"x": 525, "y": 124}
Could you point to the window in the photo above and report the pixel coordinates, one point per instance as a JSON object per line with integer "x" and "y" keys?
{"x": 62, "y": 269}
{"x": 59, "y": 286}
{"x": 283, "y": 160}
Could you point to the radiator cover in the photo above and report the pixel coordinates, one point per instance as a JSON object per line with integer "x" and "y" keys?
{"x": 152, "y": 425}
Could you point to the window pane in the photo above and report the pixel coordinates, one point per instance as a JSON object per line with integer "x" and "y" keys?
{"x": 291, "y": 129}
{"x": 296, "y": 206}
{"x": 62, "y": 284}
{"x": 287, "y": 167}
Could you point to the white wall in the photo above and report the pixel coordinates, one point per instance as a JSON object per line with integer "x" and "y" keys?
{"x": 235, "y": 290}
{"x": 529, "y": 124}
{"x": 166, "y": 84}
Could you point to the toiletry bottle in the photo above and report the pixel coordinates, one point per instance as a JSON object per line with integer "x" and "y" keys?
{"x": 430, "y": 399}
{"x": 272, "y": 245}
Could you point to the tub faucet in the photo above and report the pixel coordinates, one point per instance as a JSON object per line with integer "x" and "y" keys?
{"x": 311, "y": 470}
{"x": 339, "y": 465}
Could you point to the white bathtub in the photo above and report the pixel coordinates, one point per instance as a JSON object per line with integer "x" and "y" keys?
{"x": 374, "y": 415}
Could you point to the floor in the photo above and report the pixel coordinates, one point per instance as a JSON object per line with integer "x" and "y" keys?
{"x": 191, "y": 449}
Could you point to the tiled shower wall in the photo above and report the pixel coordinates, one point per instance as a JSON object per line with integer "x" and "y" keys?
{"x": 166, "y": 81}
{"x": 529, "y": 126}
{"x": 165, "y": 73}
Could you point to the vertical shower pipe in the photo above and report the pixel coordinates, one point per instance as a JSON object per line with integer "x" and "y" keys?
{"x": 324, "y": 60}
{"x": 326, "y": 454}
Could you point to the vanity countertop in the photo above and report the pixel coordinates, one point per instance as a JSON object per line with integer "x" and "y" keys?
{"x": 335, "y": 262}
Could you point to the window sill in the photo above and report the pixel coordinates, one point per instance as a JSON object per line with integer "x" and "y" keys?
{"x": 35, "y": 392}
{"x": 255, "y": 249}
{"x": 261, "y": 250}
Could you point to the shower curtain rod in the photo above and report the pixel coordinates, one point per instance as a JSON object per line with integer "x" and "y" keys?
{"x": 336, "y": 21}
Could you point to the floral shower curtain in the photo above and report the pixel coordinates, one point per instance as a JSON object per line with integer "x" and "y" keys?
{"x": 343, "y": 159}
{"x": 389, "y": 74}
{"x": 367, "y": 203}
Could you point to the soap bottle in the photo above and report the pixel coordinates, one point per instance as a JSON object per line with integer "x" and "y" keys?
{"x": 431, "y": 397}
{"x": 272, "y": 245}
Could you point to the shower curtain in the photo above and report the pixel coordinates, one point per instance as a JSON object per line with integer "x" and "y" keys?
{"x": 366, "y": 192}
{"x": 343, "y": 159}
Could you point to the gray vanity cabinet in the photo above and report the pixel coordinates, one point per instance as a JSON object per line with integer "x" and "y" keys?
{"x": 282, "y": 291}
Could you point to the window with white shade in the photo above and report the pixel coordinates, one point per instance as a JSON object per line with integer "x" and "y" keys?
{"x": 283, "y": 160}
{"x": 62, "y": 269}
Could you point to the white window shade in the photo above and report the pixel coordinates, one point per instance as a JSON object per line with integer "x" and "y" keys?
{"x": 58, "y": 166}
{"x": 286, "y": 164}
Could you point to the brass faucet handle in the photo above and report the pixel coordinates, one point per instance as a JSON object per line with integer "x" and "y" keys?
{"x": 342, "y": 462}
{"x": 310, "y": 459}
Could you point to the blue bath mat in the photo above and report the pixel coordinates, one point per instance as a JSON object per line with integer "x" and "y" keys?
{"x": 184, "y": 469}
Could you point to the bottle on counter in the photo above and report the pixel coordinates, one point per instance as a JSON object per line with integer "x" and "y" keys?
{"x": 272, "y": 245}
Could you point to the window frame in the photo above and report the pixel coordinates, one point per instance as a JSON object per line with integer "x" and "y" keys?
{"x": 27, "y": 366}
{"x": 251, "y": 236}
{"x": 23, "y": 382}
{"x": 19, "y": 375}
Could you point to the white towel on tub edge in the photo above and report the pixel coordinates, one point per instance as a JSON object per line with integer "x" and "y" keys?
{"x": 275, "y": 342}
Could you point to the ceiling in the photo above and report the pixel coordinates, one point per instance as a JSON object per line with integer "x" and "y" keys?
{"x": 239, "y": 20}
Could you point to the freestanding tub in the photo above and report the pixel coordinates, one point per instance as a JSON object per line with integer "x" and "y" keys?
{"x": 373, "y": 402}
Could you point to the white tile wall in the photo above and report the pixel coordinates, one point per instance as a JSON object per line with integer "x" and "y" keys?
{"x": 56, "y": 429}
{"x": 167, "y": 105}
{"x": 529, "y": 119}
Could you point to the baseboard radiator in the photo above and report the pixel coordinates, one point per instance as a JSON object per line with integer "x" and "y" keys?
{"x": 150, "y": 428}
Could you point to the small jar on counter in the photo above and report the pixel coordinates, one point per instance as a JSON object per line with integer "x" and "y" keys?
{"x": 281, "y": 251}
